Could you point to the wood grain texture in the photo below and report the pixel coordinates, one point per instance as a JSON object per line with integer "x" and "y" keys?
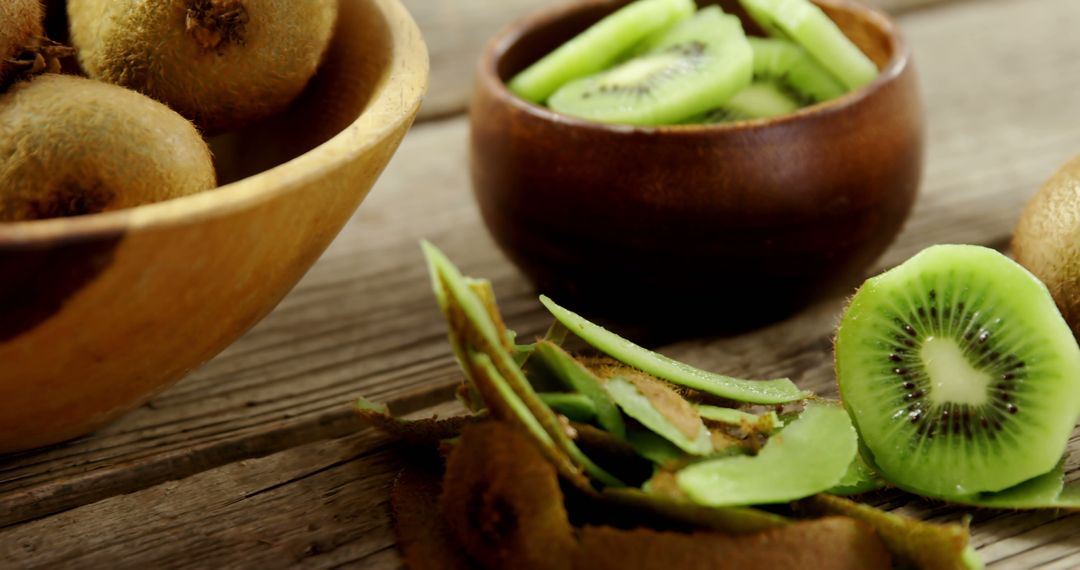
{"x": 1002, "y": 115}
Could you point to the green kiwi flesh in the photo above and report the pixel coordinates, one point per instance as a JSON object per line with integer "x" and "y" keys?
{"x": 1047, "y": 491}
{"x": 790, "y": 65}
{"x": 73, "y": 146}
{"x": 597, "y": 47}
{"x": 696, "y": 66}
{"x": 20, "y": 30}
{"x": 576, "y": 407}
{"x": 790, "y": 466}
{"x": 221, "y": 63}
{"x": 860, "y": 478}
{"x": 638, "y": 405}
{"x": 807, "y": 25}
{"x": 579, "y": 379}
{"x": 778, "y": 391}
{"x": 959, "y": 373}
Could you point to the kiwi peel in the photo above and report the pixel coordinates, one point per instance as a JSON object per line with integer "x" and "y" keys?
{"x": 778, "y": 391}
{"x": 576, "y": 407}
{"x": 959, "y": 373}
{"x": 581, "y": 380}
{"x": 789, "y": 467}
{"x": 663, "y": 412}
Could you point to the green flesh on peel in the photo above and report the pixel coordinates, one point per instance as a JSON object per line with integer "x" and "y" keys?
{"x": 860, "y": 478}
{"x": 491, "y": 363}
{"x": 782, "y": 61}
{"x": 698, "y": 65}
{"x": 1047, "y": 491}
{"x": 638, "y": 406}
{"x": 766, "y": 423}
{"x": 792, "y": 465}
{"x": 778, "y": 391}
{"x": 579, "y": 379}
{"x": 915, "y": 544}
{"x": 576, "y": 407}
{"x": 656, "y": 448}
{"x": 597, "y": 47}
{"x": 959, "y": 373}
{"x": 807, "y": 25}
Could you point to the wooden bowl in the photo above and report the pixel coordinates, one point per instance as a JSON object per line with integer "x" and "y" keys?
{"x": 726, "y": 226}
{"x": 98, "y": 313}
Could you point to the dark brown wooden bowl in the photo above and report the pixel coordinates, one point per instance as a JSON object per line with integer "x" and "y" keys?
{"x": 726, "y": 226}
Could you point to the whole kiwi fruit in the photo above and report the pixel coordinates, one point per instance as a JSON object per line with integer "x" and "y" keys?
{"x": 20, "y": 30}
{"x": 1047, "y": 239}
{"x": 221, "y": 63}
{"x": 71, "y": 146}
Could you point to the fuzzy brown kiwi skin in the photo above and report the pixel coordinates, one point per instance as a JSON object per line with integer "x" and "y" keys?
{"x": 223, "y": 64}
{"x": 1047, "y": 240}
{"x": 72, "y": 146}
{"x": 21, "y": 28}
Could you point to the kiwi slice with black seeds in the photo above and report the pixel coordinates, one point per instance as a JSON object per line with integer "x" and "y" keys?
{"x": 959, "y": 372}
{"x": 788, "y": 64}
{"x": 698, "y": 65}
{"x": 598, "y": 47}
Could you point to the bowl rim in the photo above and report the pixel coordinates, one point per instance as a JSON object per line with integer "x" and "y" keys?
{"x": 394, "y": 101}
{"x": 488, "y": 75}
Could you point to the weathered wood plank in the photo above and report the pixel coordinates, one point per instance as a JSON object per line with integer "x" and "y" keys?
{"x": 363, "y": 322}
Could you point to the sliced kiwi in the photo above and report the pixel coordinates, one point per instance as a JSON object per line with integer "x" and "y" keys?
{"x": 777, "y": 391}
{"x": 790, "y": 466}
{"x": 576, "y": 407}
{"x": 790, "y": 65}
{"x": 696, "y": 66}
{"x": 959, "y": 373}
{"x": 1047, "y": 491}
{"x": 597, "y": 47}
{"x": 806, "y": 24}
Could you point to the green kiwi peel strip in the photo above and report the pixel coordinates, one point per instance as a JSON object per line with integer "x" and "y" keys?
{"x": 576, "y": 407}
{"x": 1047, "y": 491}
{"x": 790, "y": 466}
{"x": 578, "y": 378}
{"x": 778, "y": 391}
{"x": 638, "y": 406}
{"x": 736, "y": 520}
{"x": 492, "y": 363}
{"x": 860, "y": 478}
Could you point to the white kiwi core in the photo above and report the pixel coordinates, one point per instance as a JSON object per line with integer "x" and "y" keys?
{"x": 952, "y": 377}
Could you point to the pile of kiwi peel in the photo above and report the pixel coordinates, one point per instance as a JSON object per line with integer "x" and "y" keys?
{"x": 707, "y": 450}
{"x": 124, "y": 137}
{"x": 658, "y": 62}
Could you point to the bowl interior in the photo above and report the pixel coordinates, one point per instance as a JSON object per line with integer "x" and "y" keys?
{"x": 539, "y": 36}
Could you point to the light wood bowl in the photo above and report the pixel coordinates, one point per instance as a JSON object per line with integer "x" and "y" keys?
{"x": 715, "y": 227}
{"x": 99, "y": 313}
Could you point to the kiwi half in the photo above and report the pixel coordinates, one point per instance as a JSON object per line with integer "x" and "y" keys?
{"x": 221, "y": 63}
{"x": 696, "y": 66}
{"x": 598, "y": 47}
{"x": 73, "y": 146}
{"x": 20, "y": 30}
{"x": 959, "y": 373}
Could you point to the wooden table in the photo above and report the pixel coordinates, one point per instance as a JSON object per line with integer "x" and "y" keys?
{"x": 255, "y": 459}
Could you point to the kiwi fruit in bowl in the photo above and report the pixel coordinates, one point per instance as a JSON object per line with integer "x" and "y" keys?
{"x": 20, "y": 29}
{"x": 223, "y": 64}
{"x": 959, "y": 372}
{"x": 74, "y": 146}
